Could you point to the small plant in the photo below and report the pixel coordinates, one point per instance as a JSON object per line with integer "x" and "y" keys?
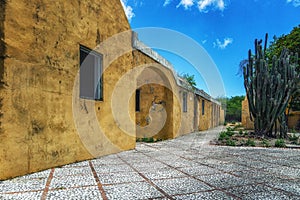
{"x": 265, "y": 143}
{"x": 279, "y": 143}
{"x": 250, "y": 143}
{"x": 246, "y": 133}
{"x": 229, "y": 129}
{"x": 225, "y": 123}
{"x": 223, "y": 135}
{"x": 241, "y": 132}
{"x": 293, "y": 130}
{"x": 230, "y": 133}
{"x": 148, "y": 140}
{"x": 230, "y": 143}
{"x": 294, "y": 139}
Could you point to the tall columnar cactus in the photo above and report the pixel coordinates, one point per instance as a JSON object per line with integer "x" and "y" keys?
{"x": 269, "y": 85}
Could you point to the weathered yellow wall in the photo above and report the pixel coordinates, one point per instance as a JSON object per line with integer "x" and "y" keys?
{"x": 154, "y": 82}
{"x": 42, "y": 61}
{"x": 205, "y": 120}
{"x": 187, "y": 121}
{"x": 222, "y": 116}
{"x": 246, "y": 121}
{"x": 154, "y": 96}
{"x": 294, "y": 120}
{"x": 39, "y": 129}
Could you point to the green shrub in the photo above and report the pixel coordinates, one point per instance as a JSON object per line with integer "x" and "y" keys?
{"x": 250, "y": 143}
{"x": 229, "y": 129}
{"x": 279, "y": 143}
{"x": 294, "y": 139}
{"x": 230, "y": 143}
{"x": 147, "y": 140}
{"x": 265, "y": 143}
{"x": 230, "y": 133}
{"x": 293, "y": 130}
{"x": 223, "y": 135}
{"x": 241, "y": 132}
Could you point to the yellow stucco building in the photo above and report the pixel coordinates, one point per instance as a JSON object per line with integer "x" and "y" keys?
{"x": 293, "y": 117}
{"x": 76, "y": 83}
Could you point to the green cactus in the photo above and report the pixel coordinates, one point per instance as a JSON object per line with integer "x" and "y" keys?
{"x": 269, "y": 86}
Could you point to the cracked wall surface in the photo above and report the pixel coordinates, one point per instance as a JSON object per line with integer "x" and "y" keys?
{"x": 41, "y": 50}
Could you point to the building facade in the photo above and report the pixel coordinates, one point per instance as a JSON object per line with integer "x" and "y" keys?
{"x": 77, "y": 84}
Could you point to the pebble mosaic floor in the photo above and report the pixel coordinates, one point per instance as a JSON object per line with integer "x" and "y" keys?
{"x": 183, "y": 168}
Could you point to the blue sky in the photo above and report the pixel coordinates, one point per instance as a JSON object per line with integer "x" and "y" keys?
{"x": 225, "y": 29}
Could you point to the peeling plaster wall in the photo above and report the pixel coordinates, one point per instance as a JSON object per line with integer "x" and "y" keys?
{"x": 39, "y": 62}
{"x": 156, "y": 86}
{"x": 154, "y": 96}
{"x": 37, "y": 76}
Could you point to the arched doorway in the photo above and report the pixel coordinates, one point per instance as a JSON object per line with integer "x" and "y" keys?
{"x": 155, "y": 103}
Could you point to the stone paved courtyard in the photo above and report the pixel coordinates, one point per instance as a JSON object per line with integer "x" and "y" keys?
{"x": 183, "y": 168}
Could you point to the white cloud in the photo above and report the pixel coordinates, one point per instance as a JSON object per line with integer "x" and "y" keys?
{"x": 186, "y": 4}
{"x": 296, "y": 3}
{"x": 226, "y": 42}
{"x": 204, "y": 41}
{"x": 217, "y": 4}
{"x": 167, "y": 2}
{"x": 128, "y": 10}
{"x": 203, "y": 5}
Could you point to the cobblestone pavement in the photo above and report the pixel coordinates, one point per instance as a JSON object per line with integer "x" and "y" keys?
{"x": 183, "y": 168}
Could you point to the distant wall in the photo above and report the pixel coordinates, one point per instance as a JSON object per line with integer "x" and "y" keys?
{"x": 246, "y": 121}
{"x": 293, "y": 118}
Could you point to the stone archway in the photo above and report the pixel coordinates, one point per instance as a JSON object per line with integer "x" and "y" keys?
{"x": 155, "y": 103}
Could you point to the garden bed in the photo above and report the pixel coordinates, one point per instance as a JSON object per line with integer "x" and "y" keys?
{"x": 237, "y": 136}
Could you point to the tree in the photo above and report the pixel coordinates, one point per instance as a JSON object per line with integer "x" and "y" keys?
{"x": 291, "y": 42}
{"x": 190, "y": 79}
{"x": 269, "y": 85}
{"x": 232, "y": 107}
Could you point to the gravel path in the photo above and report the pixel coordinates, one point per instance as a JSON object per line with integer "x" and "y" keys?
{"x": 183, "y": 168}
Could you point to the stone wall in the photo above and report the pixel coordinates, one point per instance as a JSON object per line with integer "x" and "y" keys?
{"x": 42, "y": 61}
{"x": 44, "y": 122}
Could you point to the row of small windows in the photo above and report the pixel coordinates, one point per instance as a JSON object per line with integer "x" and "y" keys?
{"x": 184, "y": 100}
